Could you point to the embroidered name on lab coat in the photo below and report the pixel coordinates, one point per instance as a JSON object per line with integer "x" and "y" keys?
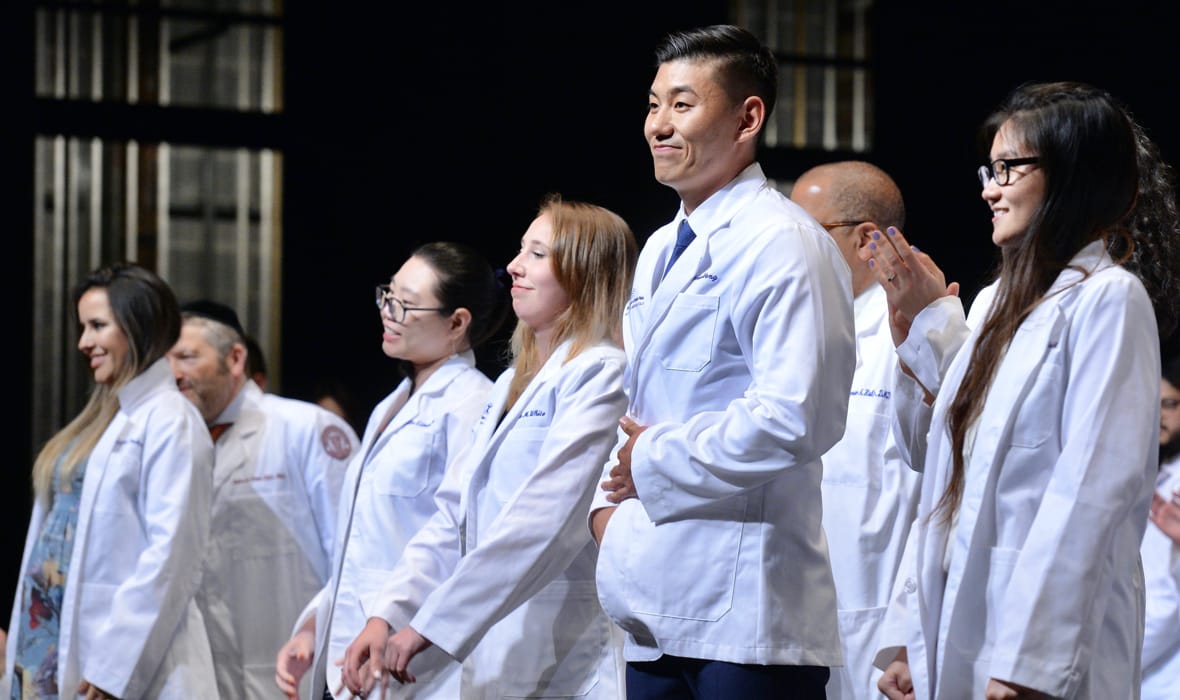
{"x": 533, "y": 413}
{"x": 634, "y": 302}
{"x": 260, "y": 477}
{"x": 706, "y": 276}
{"x": 878, "y": 393}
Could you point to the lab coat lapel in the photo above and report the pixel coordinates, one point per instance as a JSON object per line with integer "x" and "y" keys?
{"x": 1036, "y": 336}
{"x": 404, "y": 408}
{"x": 692, "y": 262}
{"x": 551, "y": 366}
{"x": 96, "y": 465}
{"x": 418, "y": 406}
{"x": 231, "y": 448}
{"x": 490, "y": 443}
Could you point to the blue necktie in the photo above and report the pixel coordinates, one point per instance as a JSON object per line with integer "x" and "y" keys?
{"x": 684, "y": 236}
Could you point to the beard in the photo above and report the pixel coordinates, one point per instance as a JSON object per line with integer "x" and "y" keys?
{"x": 1169, "y": 450}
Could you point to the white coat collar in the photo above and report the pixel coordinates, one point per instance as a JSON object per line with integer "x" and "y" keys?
{"x": 246, "y": 414}
{"x": 233, "y": 409}
{"x": 553, "y": 364}
{"x": 420, "y": 403}
{"x": 719, "y": 209}
{"x": 866, "y": 309}
{"x": 1087, "y": 261}
{"x": 157, "y": 376}
{"x": 712, "y": 216}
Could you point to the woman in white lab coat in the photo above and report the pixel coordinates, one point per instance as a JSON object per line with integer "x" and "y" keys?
{"x": 442, "y": 303}
{"x": 104, "y": 607}
{"x": 502, "y": 577}
{"x": 1035, "y": 421}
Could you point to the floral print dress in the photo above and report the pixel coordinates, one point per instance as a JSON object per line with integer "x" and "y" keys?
{"x": 35, "y": 675}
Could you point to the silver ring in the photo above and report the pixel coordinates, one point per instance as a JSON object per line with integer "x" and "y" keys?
{"x": 891, "y": 277}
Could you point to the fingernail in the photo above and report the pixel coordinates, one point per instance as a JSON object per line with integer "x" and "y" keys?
{"x": 872, "y": 263}
{"x": 915, "y": 249}
{"x": 876, "y": 235}
{"x": 872, "y": 246}
{"x": 891, "y": 231}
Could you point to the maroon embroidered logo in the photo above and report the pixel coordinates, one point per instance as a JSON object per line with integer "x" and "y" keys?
{"x": 335, "y": 442}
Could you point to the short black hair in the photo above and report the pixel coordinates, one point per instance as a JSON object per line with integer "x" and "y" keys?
{"x": 745, "y": 65}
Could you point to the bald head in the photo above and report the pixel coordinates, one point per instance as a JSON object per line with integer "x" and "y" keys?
{"x": 858, "y": 196}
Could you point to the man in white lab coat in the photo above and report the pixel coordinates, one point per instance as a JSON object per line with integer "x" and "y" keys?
{"x": 1161, "y": 555}
{"x": 279, "y": 464}
{"x": 739, "y": 362}
{"x": 870, "y": 496}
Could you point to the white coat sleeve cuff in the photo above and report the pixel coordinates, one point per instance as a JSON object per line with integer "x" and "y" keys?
{"x": 937, "y": 333}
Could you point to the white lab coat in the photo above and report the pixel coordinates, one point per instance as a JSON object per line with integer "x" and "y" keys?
{"x": 129, "y": 623}
{"x": 1044, "y": 587}
{"x": 276, "y": 484}
{"x": 388, "y": 496}
{"x": 502, "y": 577}
{"x": 870, "y": 497}
{"x": 740, "y": 364}
{"x": 1161, "y": 636}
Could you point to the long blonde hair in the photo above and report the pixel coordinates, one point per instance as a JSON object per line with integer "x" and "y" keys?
{"x": 593, "y": 256}
{"x": 145, "y": 310}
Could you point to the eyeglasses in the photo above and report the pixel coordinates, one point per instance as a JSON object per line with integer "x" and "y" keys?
{"x": 839, "y": 224}
{"x": 386, "y": 300}
{"x": 1000, "y": 169}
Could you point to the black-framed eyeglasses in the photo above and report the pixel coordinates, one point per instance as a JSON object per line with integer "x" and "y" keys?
{"x": 1000, "y": 169}
{"x": 396, "y": 307}
{"x": 839, "y": 224}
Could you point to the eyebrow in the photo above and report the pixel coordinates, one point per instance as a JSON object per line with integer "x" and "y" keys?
{"x": 674, "y": 91}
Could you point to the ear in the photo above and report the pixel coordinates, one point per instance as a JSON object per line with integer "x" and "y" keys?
{"x": 236, "y": 359}
{"x": 460, "y": 322}
{"x": 863, "y": 235}
{"x": 753, "y": 116}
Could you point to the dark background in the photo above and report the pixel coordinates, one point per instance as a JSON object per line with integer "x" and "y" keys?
{"x": 412, "y": 134}
{"x": 447, "y": 122}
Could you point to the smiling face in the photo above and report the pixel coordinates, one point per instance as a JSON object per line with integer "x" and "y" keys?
{"x": 102, "y": 341}
{"x": 537, "y": 297}
{"x": 1013, "y": 205}
{"x": 425, "y": 339}
{"x": 695, "y": 130}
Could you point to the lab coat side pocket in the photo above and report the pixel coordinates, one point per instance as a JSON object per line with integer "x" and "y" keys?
{"x": 1001, "y": 564}
{"x": 691, "y": 324}
{"x": 669, "y": 574}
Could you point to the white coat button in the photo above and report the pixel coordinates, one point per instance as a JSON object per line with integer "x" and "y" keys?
{"x": 910, "y": 585}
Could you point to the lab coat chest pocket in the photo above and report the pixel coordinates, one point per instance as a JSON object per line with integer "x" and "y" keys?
{"x": 1038, "y": 415}
{"x": 691, "y": 323}
{"x": 409, "y": 472}
{"x": 516, "y": 460}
